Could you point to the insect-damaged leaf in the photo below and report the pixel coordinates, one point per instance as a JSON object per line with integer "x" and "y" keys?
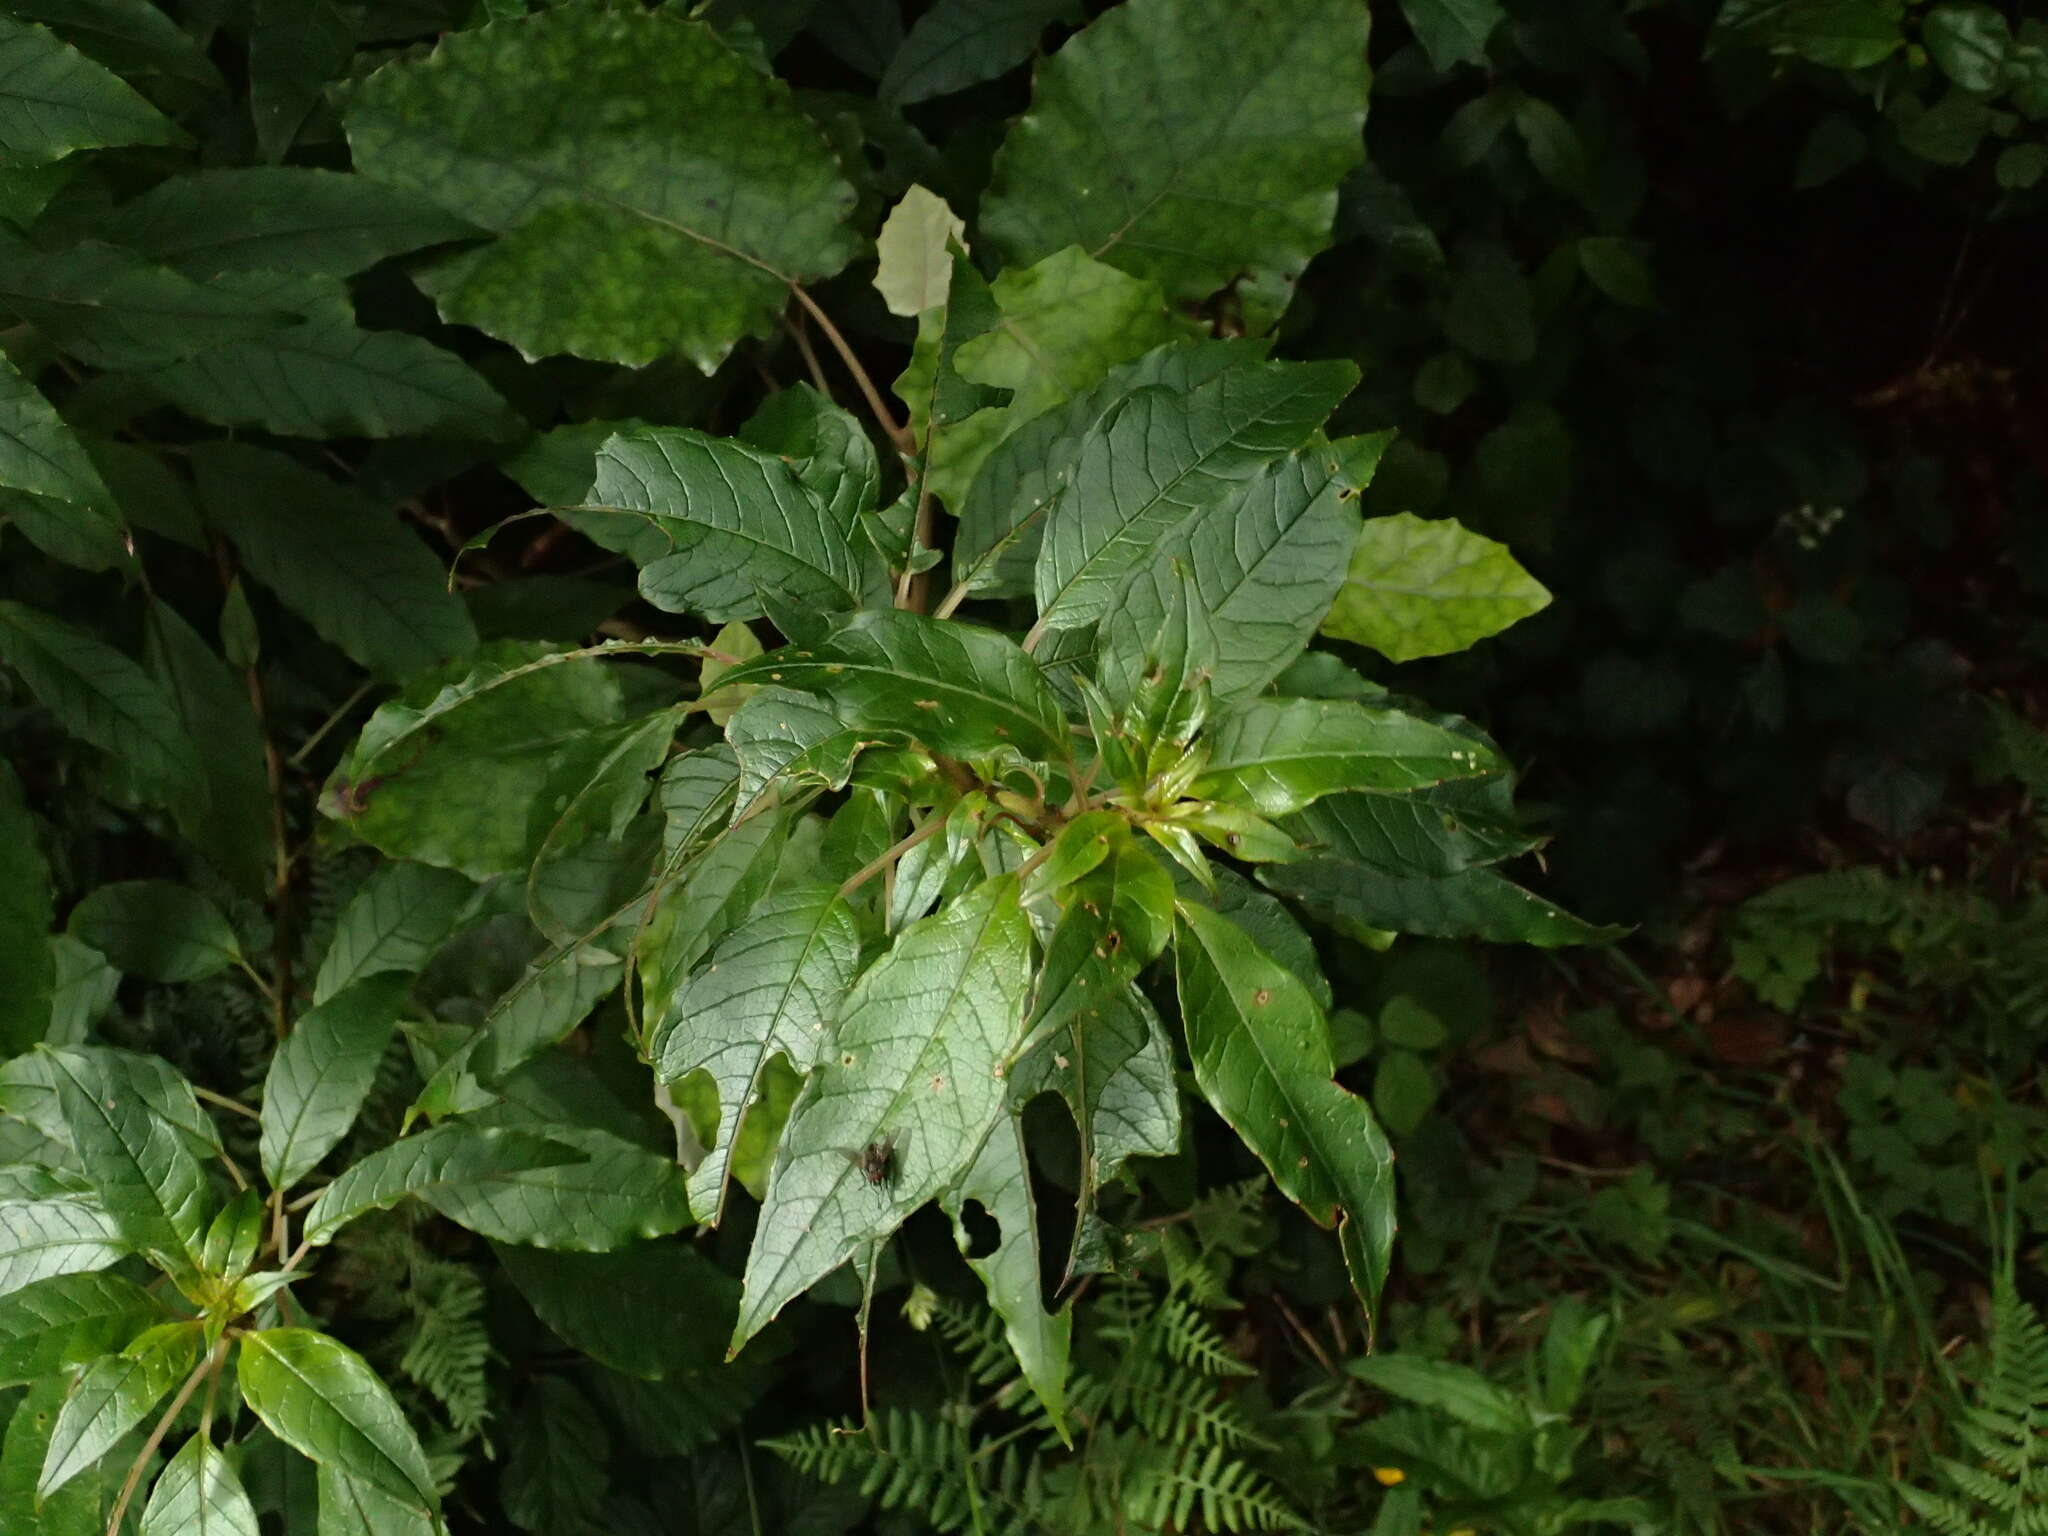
{"x": 1261, "y": 1051}
{"x": 916, "y": 1057}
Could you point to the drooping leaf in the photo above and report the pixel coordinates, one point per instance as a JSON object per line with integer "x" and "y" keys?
{"x": 538, "y": 1010}
{"x": 38, "y": 453}
{"x": 394, "y": 922}
{"x": 774, "y": 985}
{"x": 446, "y": 1157}
{"x": 958, "y": 43}
{"x": 605, "y": 249}
{"x": 1420, "y": 835}
{"x": 157, "y": 930}
{"x": 735, "y": 522}
{"x": 1224, "y": 162}
{"x": 279, "y": 219}
{"x": 1113, "y": 1064}
{"x": 54, "y": 100}
{"x": 1154, "y": 462}
{"x": 652, "y": 1310}
{"x": 111, "y": 1398}
{"x": 355, "y": 1506}
{"x": 321, "y": 1399}
{"x": 26, "y": 912}
{"x": 139, "y": 1165}
{"x": 913, "y": 1063}
{"x": 356, "y": 574}
{"x": 1261, "y": 1052}
{"x": 1427, "y": 588}
{"x": 107, "y": 701}
{"x": 323, "y": 1071}
{"x": 58, "y": 1235}
{"x": 198, "y": 1494}
{"x": 716, "y": 890}
{"x": 1474, "y": 903}
{"x": 68, "y": 1319}
{"x": 1278, "y": 755}
{"x": 959, "y": 689}
{"x": 999, "y": 1182}
{"x": 449, "y": 772}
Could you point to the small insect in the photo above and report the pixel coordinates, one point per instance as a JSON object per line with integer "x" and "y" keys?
{"x": 877, "y": 1160}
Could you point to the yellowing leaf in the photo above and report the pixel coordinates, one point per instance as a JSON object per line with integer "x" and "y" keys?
{"x": 913, "y": 267}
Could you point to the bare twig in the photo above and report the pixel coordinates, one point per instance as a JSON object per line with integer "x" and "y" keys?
{"x": 894, "y": 430}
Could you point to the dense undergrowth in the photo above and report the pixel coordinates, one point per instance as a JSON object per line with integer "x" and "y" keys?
{"x": 728, "y": 803}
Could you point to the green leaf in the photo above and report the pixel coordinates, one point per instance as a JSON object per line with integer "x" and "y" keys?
{"x": 1261, "y": 1052}
{"x": 449, "y": 772}
{"x": 1420, "y": 587}
{"x": 135, "y": 40}
{"x": 653, "y": 1310}
{"x": 1418, "y": 835}
{"x": 1225, "y": 163}
{"x": 736, "y": 522}
{"x": 603, "y": 249}
{"x": 107, "y": 701}
{"x": 914, "y": 266}
{"x": 718, "y": 888}
{"x": 111, "y": 1398}
{"x": 783, "y": 738}
{"x": 140, "y": 1167}
{"x": 1453, "y": 1389}
{"x": 26, "y": 912}
{"x": 80, "y": 1508}
{"x": 295, "y": 48}
{"x": 395, "y": 921}
{"x": 1620, "y": 268}
{"x": 356, "y": 574}
{"x": 823, "y": 444}
{"x": 233, "y": 819}
{"x": 555, "y": 1475}
{"x": 958, "y": 43}
{"x": 354, "y": 1506}
{"x": 1492, "y": 308}
{"x": 959, "y": 689}
{"x": 276, "y": 219}
{"x": 616, "y": 1193}
{"x": 38, "y": 454}
{"x": 322, "y": 1073}
{"x": 1002, "y": 517}
{"x": 774, "y": 985}
{"x": 1000, "y": 1183}
{"x": 1278, "y": 755}
{"x": 319, "y": 1397}
{"x": 69, "y": 1319}
{"x": 1053, "y": 330}
{"x": 198, "y": 1494}
{"x": 535, "y": 1012}
{"x": 110, "y": 308}
{"x": 1453, "y": 31}
{"x": 1160, "y": 458}
{"x": 54, "y": 100}
{"x": 324, "y": 376}
{"x": 1835, "y": 34}
{"x": 1474, "y": 903}
{"x": 1113, "y": 1064}
{"x": 42, "y": 1239}
{"x": 156, "y": 930}
{"x": 447, "y": 1157}
{"x": 915, "y": 1057}
{"x": 1264, "y": 563}
{"x": 1403, "y": 1089}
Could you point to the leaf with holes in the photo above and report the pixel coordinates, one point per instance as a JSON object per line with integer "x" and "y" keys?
{"x": 915, "y": 1065}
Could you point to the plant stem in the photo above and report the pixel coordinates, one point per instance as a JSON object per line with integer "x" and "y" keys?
{"x": 225, "y": 1102}
{"x": 933, "y": 824}
{"x": 816, "y": 369}
{"x": 156, "y": 1437}
{"x": 894, "y": 430}
{"x": 340, "y": 712}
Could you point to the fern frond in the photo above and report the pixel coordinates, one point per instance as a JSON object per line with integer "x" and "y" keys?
{"x": 2004, "y": 1488}
{"x": 448, "y": 1352}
